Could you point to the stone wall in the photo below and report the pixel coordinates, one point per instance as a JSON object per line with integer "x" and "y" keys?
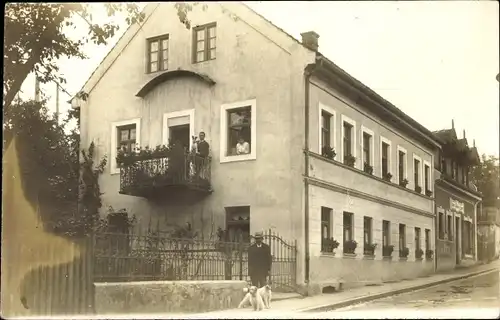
{"x": 167, "y": 296}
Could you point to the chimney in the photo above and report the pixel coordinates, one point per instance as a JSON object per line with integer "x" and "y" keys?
{"x": 452, "y": 124}
{"x": 474, "y": 143}
{"x": 310, "y": 40}
{"x": 464, "y": 133}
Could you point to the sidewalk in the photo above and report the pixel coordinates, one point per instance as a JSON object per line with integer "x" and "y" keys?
{"x": 345, "y": 298}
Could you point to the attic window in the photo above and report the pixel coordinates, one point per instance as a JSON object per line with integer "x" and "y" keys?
{"x": 158, "y": 54}
{"x": 204, "y": 38}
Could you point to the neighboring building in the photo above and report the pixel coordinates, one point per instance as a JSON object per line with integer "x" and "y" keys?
{"x": 236, "y": 74}
{"x": 457, "y": 201}
{"x": 488, "y": 224}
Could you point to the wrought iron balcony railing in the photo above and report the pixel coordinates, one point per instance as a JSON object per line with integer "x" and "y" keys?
{"x": 145, "y": 175}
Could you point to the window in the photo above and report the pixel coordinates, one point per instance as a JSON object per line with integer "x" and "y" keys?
{"x": 386, "y": 233}
{"x": 326, "y": 225}
{"x": 348, "y": 226}
{"x": 416, "y": 173}
{"x": 385, "y": 156}
{"x": 367, "y": 235}
{"x": 238, "y": 131}
{"x": 444, "y": 166}
{"x": 467, "y": 235}
{"x": 402, "y": 236}
{"x": 401, "y": 164}
{"x": 367, "y": 146}
{"x": 449, "y": 227}
{"x": 427, "y": 239}
{"x": 238, "y": 224}
{"x": 427, "y": 175}
{"x": 204, "y": 43}
{"x": 158, "y": 54}
{"x": 417, "y": 238}
{"x": 455, "y": 170}
{"x": 326, "y": 119}
{"x": 441, "y": 225}
{"x": 125, "y": 135}
{"x": 347, "y": 139}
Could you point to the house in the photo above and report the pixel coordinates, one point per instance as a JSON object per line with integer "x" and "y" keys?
{"x": 234, "y": 74}
{"x": 457, "y": 201}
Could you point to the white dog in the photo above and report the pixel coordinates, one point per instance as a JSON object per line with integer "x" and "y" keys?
{"x": 266, "y": 293}
{"x": 253, "y": 297}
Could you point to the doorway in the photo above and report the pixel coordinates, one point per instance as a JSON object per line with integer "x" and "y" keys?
{"x": 457, "y": 240}
{"x": 180, "y": 133}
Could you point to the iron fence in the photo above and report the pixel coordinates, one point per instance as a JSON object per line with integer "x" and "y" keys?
{"x": 129, "y": 257}
{"x": 150, "y": 172}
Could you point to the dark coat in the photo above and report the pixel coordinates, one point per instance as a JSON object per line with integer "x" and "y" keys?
{"x": 259, "y": 259}
{"x": 203, "y": 148}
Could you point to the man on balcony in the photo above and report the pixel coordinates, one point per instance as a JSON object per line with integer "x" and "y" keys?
{"x": 201, "y": 155}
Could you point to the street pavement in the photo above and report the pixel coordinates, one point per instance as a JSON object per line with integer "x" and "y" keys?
{"x": 477, "y": 296}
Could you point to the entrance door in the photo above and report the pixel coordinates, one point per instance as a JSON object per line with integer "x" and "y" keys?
{"x": 180, "y": 133}
{"x": 458, "y": 238}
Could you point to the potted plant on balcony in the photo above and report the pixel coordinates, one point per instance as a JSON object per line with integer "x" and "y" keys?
{"x": 403, "y": 183}
{"x": 368, "y": 168}
{"x": 350, "y": 246}
{"x": 369, "y": 249}
{"x": 404, "y": 252}
{"x": 419, "y": 253}
{"x": 429, "y": 254}
{"x": 418, "y": 189}
{"x": 328, "y": 152}
{"x": 350, "y": 160}
{"x": 387, "y": 250}
{"x": 428, "y": 193}
{"x": 328, "y": 245}
{"x": 387, "y": 177}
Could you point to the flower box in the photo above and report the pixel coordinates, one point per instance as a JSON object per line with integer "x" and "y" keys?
{"x": 349, "y": 160}
{"x": 404, "y": 252}
{"x": 428, "y": 193}
{"x": 403, "y": 183}
{"x": 387, "y": 177}
{"x": 328, "y": 152}
{"x": 418, "y": 189}
{"x": 419, "y": 253}
{"x": 387, "y": 250}
{"x": 328, "y": 245}
{"x": 369, "y": 249}
{"x": 350, "y": 246}
{"x": 368, "y": 168}
{"x": 429, "y": 254}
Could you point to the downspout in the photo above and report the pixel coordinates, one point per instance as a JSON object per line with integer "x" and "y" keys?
{"x": 475, "y": 229}
{"x": 307, "y": 76}
{"x": 436, "y": 230}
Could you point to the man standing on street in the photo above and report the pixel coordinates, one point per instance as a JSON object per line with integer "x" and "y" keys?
{"x": 259, "y": 261}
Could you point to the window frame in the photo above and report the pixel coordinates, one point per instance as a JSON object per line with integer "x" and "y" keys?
{"x": 159, "y": 39}
{"x": 403, "y": 238}
{"x": 388, "y": 233}
{"x": 369, "y": 220}
{"x": 333, "y": 127}
{"x": 177, "y": 114}
{"x": 351, "y": 229}
{"x": 420, "y": 173}
{"x": 206, "y": 27}
{"x": 345, "y": 119}
{"x": 449, "y": 226}
{"x": 418, "y": 238}
{"x": 428, "y": 177}
{"x": 389, "y": 156}
{"x": 224, "y": 158}
{"x": 328, "y": 223}
{"x": 114, "y": 169}
{"x": 405, "y": 164}
{"x": 232, "y": 223}
{"x": 441, "y": 223}
{"x": 365, "y": 130}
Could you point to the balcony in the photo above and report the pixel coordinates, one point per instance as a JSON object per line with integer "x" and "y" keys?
{"x": 167, "y": 175}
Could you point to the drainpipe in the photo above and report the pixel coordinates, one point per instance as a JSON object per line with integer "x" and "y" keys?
{"x": 307, "y": 76}
{"x": 436, "y": 231}
{"x": 475, "y": 229}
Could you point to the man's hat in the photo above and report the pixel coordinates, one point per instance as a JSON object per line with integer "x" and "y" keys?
{"x": 258, "y": 235}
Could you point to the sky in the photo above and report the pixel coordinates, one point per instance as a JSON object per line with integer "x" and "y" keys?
{"x": 436, "y": 61}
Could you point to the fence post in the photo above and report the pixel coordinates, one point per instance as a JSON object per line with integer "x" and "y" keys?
{"x": 241, "y": 258}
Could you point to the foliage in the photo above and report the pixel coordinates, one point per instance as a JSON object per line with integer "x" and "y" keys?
{"x": 428, "y": 193}
{"x": 387, "y": 176}
{"x": 404, "y": 252}
{"x": 429, "y": 253}
{"x": 328, "y": 245}
{"x": 419, "y": 253}
{"x": 36, "y": 36}
{"x": 146, "y": 153}
{"x": 403, "y": 183}
{"x": 369, "y": 248}
{"x": 350, "y": 160}
{"x": 486, "y": 177}
{"x": 328, "y": 152}
{"x": 350, "y": 246}
{"x": 387, "y": 250}
{"x": 65, "y": 190}
{"x": 418, "y": 189}
{"x": 368, "y": 168}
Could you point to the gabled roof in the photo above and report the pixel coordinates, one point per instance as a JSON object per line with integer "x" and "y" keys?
{"x": 446, "y": 135}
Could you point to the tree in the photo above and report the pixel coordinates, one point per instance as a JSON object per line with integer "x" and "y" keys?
{"x": 35, "y": 37}
{"x": 486, "y": 177}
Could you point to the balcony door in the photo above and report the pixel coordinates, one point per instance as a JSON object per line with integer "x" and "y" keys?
{"x": 180, "y": 133}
